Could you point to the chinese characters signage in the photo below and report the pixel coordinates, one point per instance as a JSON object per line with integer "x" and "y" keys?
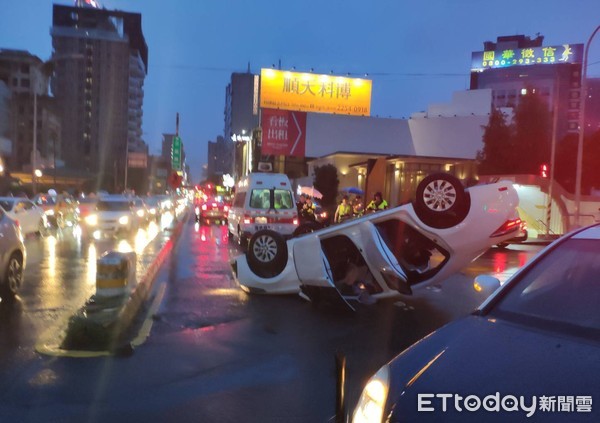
{"x": 176, "y": 153}
{"x": 307, "y": 92}
{"x": 566, "y": 53}
{"x": 283, "y": 132}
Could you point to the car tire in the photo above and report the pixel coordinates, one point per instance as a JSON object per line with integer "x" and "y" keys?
{"x": 13, "y": 277}
{"x": 306, "y": 228}
{"x": 441, "y": 201}
{"x": 267, "y": 253}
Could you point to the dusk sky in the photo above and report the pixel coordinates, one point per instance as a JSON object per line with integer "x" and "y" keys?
{"x": 416, "y": 52}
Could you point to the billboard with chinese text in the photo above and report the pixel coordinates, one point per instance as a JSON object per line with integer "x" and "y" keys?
{"x": 566, "y": 53}
{"x": 283, "y": 133}
{"x": 308, "y": 92}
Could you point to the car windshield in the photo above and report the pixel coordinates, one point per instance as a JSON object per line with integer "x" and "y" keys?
{"x": 278, "y": 199}
{"x": 113, "y": 206}
{"x": 561, "y": 291}
{"x": 7, "y": 204}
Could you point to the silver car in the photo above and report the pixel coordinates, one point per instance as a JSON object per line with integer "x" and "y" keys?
{"x": 12, "y": 257}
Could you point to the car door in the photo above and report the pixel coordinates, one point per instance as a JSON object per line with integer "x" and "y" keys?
{"x": 380, "y": 259}
{"x": 315, "y": 274}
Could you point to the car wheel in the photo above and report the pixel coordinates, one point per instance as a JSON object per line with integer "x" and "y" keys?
{"x": 13, "y": 276}
{"x": 441, "y": 201}
{"x": 307, "y": 228}
{"x": 267, "y": 253}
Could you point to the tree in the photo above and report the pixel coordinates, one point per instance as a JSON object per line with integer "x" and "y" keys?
{"x": 532, "y": 134}
{"x": 497, "y": 145}
{"x": 327, "y": 182}
{"x": 521, "y": 146}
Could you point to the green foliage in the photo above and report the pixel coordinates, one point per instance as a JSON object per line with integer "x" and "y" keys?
{"x": 521, "y": 146}
{"x": 327, "y": 182}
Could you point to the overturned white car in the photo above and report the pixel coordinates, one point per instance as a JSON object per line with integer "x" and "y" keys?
{"x": 387, "y": 252}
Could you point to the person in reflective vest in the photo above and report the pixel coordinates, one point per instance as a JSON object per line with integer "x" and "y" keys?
{"x": 308, "y": 210}
{"x": 377, "y": 204}
{"x": 343, "y": 211}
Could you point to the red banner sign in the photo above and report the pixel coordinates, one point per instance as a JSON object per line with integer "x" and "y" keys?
{"x": 283, "y": 132}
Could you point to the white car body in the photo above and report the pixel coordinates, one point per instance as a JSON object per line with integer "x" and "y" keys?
{"x": 30, "y": 217}
{"x": 316, "y": 260}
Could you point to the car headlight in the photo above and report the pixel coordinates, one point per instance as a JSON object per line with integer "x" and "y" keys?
{"x": 152, "y": 211}
{"x": 124, "y": 220}
{"x": 371, "y": 405}
{"x": 91, "y": 220}
{"x": 49, "y": 212}
{"x": 140, "y": 213}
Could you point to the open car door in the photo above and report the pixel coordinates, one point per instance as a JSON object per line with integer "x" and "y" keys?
{"x": 315, "y": 274}
{"x": 380, "y": 259}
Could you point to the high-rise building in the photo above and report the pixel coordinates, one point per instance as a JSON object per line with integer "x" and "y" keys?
{"x": 24, "y": 76}
{"x": 219, "y": 159}
{"x": 101, "y": 94}
{"x": 241, "y": 112}
{"x": 516, "y": 65}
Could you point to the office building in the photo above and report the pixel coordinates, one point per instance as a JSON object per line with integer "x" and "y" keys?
{"x": 99, "y": 87}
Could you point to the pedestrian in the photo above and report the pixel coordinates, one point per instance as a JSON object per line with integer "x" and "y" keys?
{"x": 358, "y": 207}
{"x": 300, "y": 204}
{"x": 343, "y": 211}
{"x": 378, "y": 203}
{"x": 308, "y": 210}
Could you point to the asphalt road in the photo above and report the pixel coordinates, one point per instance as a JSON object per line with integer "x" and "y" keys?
{"x": 214, "y": 353}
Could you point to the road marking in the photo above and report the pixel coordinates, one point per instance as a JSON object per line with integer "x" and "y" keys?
{"x": 149, "y": 321}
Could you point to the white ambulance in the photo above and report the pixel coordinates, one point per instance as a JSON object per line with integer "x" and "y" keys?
{"x": 262, "y": 201}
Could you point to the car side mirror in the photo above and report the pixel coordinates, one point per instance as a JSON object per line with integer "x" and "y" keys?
{"x": 486, "y": 284}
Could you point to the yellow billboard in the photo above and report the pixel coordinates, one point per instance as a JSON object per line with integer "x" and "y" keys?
{"x": 308, "y": 92}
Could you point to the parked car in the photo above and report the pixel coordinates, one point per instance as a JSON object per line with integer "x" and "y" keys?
{"x": 539, "y": 334}
{"x": 12, "y": 257}
{"x": 30, "y": 217}
{"x": 60, "y": 209}
{"x": 114, "y": 216}
{"x": 213, "y": 209}
{"x": 413, "y": 244}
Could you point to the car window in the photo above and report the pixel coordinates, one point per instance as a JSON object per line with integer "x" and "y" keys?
{"x": 563, "y": 288}
{"x": 7, "y": 205}
{"x": 278, "y": 199}
{"x": 420, "y": 257}
{"x": 113, "y": 206}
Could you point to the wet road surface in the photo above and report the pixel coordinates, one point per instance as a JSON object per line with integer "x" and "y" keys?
{"x": 217, "y": 354}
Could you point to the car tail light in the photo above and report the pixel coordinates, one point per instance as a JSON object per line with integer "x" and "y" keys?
{"x": 204, "y": 207}
{"x": 214, "y": 204}
{"x": 295, "y": 221}
{"x": 324, "y": 215}
{"x": 508, "y": 227}
{"x": 247, "y": 219}
{"x": 226, "y": 208}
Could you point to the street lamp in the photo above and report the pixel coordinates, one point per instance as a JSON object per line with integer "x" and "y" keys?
{"x": 582, "y": 128}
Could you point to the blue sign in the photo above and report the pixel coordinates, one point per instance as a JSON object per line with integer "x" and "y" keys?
{"x": 566, "y": 53}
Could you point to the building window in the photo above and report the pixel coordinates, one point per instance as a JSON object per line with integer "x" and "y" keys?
{"x": 25, "y": 83}
{"x": 25, "y": 68}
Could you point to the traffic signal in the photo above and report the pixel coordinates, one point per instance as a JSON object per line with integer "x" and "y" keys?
{"x": 544, "y": 170}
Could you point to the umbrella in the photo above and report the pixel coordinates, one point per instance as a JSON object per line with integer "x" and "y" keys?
{"x": 311, "y": 192}
{"x": 353, "y": 190}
